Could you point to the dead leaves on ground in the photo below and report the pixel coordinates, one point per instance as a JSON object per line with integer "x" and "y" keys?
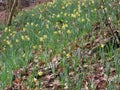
{"x": 47, "y": 75}
{"x": 49, "y": 80}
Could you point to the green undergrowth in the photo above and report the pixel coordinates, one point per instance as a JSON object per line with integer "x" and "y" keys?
{"x": 49, "y": 30}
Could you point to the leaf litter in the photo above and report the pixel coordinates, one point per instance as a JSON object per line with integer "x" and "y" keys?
{"x": 96, "y": 71}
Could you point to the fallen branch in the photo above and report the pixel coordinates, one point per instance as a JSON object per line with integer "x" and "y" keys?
{"x": 109, "y": 25}
{"x": 106, "y": 43}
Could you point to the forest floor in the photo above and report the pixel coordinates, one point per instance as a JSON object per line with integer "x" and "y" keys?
{"x": 2, "y": 16}
{"x": 3, "y": 12}
{"x": 61, "y": 46}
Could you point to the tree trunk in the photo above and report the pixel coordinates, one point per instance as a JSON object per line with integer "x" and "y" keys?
{"x": 11, "y": 12}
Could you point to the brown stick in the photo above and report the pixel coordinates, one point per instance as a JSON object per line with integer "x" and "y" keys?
{"x": 111, "y": 29}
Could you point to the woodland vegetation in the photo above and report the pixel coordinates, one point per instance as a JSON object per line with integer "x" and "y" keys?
{"x": 60, "y": 45}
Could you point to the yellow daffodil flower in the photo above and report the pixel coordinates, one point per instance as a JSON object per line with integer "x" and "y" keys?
{"x": 68, "y": 32}
{"x": 35, "y": 80}
{"x": 102, "y": 45}
{"x": 17, "y": 40}
{"x": 40, "y": 73}
{"x": 68, "y": 55}
{"x": 41, "y": 39}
